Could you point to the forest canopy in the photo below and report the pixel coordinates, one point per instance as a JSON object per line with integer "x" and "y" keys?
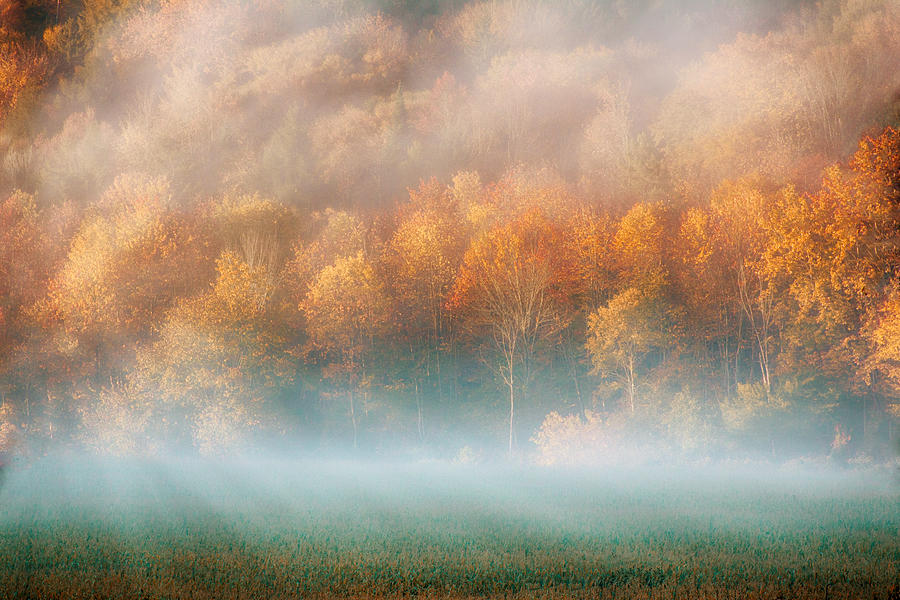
{"x": 581, "y": 231}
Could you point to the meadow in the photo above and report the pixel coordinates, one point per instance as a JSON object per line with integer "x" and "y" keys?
{"x": 304, "y": 529}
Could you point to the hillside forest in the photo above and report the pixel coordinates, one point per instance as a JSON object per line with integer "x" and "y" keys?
{"x": 585, "y": 231}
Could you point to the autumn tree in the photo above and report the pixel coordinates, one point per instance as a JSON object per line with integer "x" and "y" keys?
{"x": 346, "y": 308}
{"x": 33, "y": 242}
{"x": 879, "y": 160}
{"x": 884, "y": 359}
{"x": 624, "y": 334}
{"x": 836, "y": 251}
{"x": 132, "y": 256}
{"x": 423, "y": 256}
{"x": 639, "y": 242}
{"x": 24, "y": 261}
{"x": 260, "y": 232}
{"x": 742, "y": 212}
{"x": 219, "y": 366}
{"x": 23, "y": 71}
{"x": 587, "y": 243}
{"x": 425, "y": 251}
{"x": 512, "y": 293}
{"x": 713, "y": 314}
{"x": 330, "y": 234}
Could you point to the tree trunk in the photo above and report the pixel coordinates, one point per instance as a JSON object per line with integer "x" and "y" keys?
{"x": 419, "y": 423}
{"x": 512, "y": 411}
{"x": 764, "y": 365}
{"x": 726, "y": 375}
{"x": 50, "y": 408}
{"x": 865, "y": 419}
{"x": 763, "y": 305}
{"x": 737, "y": 354}
{"x": 581, "y": 407}
{"x": 510, "y": 355}
{"x": 572, "y": 365}
{"x": 631, "y": 382}
{"x": 353, "y": 421}
{"x": 97, "y": 364}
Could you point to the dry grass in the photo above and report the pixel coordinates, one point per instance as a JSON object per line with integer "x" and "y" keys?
{"x": 133, "y": 532}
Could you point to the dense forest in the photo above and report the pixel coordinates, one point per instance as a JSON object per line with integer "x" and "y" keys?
{"x": 575, "y": 231}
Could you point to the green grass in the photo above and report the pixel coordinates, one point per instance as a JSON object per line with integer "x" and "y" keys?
{"x": 293, "y": 529}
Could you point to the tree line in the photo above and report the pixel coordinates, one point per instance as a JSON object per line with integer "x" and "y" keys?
{"x": 476, "y": 223}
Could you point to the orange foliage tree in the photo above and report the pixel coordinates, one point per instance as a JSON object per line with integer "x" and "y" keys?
{"x": 513, "y": 293}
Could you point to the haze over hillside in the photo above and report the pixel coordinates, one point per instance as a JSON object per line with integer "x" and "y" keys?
{"x": 581, "y": 231}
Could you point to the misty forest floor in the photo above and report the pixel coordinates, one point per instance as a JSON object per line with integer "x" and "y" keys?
{"x": 286, "y": 529}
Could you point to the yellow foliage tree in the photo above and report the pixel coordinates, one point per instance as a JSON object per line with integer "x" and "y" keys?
{"x": 346, "y": 308}
{"x": 624, "y": 333}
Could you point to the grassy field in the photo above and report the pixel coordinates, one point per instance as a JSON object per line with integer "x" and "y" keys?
{"x": 292, "y": 529}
